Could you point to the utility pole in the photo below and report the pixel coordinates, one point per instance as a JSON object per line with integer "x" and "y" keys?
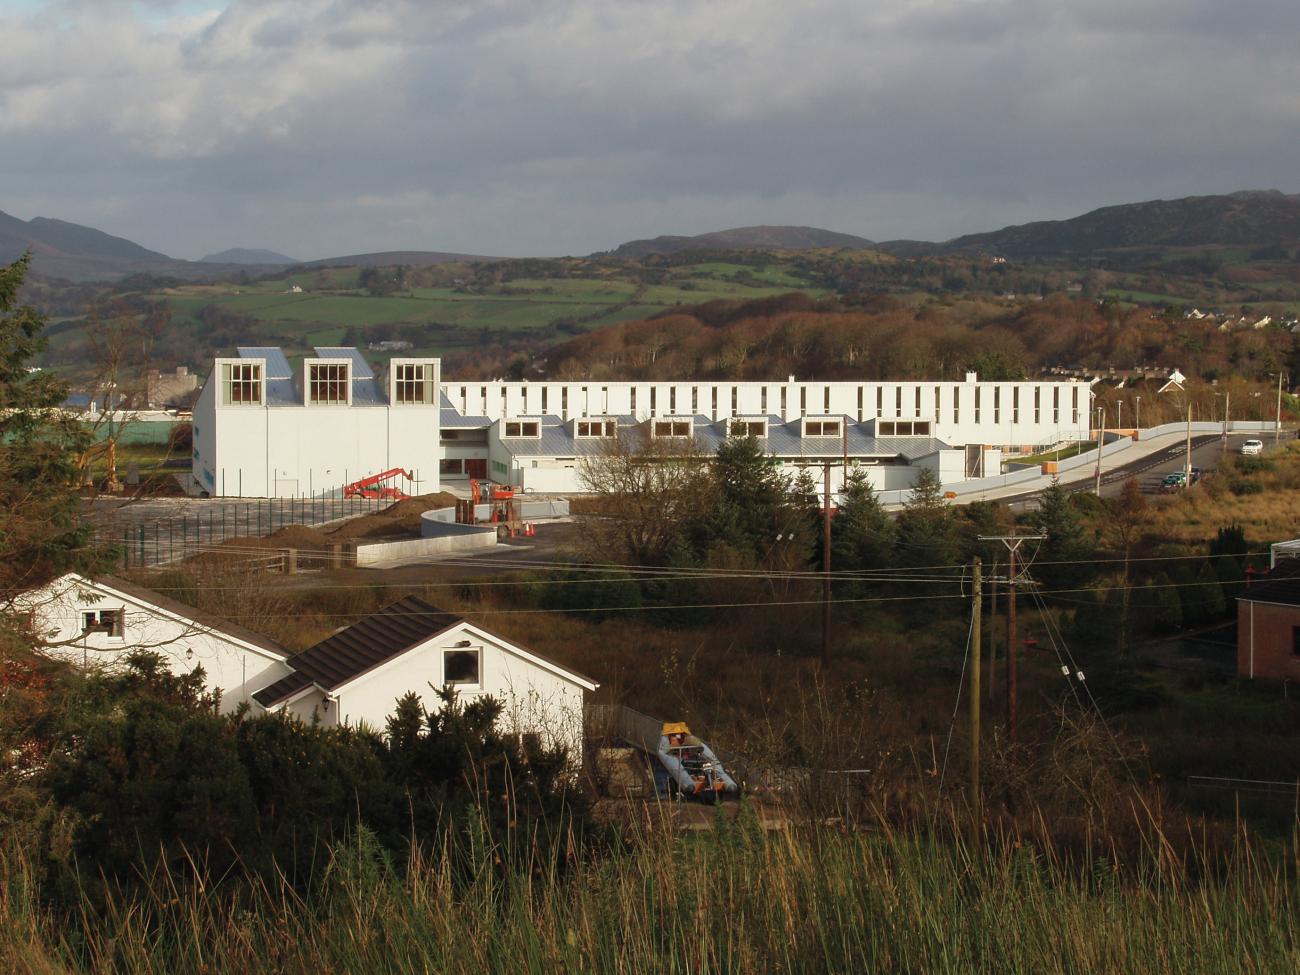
{"x": 1101, "y": 428}
{"x": 975, "y": 802}
{"x": 1277, "y": 430}
{"x": 1012, "y": 542}
{"x": 1187, "y": 465}
{"x": 826, "y": 569}
{"x": 1227, "y": 402}
{"x": 993, "y": 642}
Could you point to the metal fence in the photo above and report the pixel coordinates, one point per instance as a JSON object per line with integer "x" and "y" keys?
{"x": 197, "y": 526}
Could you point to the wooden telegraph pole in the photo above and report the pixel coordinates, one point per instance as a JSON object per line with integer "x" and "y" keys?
{"x": 977, "y": 600}
{"x": 826, "y": 569}
{"x": 1012, "y": 542}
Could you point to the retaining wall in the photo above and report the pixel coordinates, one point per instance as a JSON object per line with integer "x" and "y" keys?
{"x": 439, "y": 538}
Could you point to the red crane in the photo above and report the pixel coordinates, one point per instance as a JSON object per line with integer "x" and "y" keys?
{"x": 373, "y": 488}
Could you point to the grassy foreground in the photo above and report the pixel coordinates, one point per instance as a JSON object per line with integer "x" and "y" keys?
{"x": 736, "y": 900}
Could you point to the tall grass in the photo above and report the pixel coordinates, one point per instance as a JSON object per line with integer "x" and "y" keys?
{"x": 737, "y": 899}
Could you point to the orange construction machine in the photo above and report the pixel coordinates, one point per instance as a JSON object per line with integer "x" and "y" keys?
{"x": 374, "y": 488}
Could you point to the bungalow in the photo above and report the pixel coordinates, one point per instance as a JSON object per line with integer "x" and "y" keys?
{"x": 356, "y": 675}
{"x": 101, "y": 621}
{"x": 1268, "y": 624}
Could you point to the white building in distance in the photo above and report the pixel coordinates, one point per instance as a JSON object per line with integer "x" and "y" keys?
{"x": 263, "y": 429}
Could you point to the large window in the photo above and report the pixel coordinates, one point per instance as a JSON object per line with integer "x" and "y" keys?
{"x": 109, "y": 621}
{"x": 241, "y": 383}
{"x": 461, "y": 667}
{"x": 903, "y": 428}
{"x": 597, "y": 428}
{"x": 747, "y": 428}
{"x": 523, "y": 428}
{"x": 822, "y": 428}
{"x": 671, "y": 428}
{"x": 413, "y": 382}
{"x": 327, "y": 382}
{"x": 451, "y": 466}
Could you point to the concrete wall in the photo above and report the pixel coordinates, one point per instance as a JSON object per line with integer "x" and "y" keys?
{"x": 1265, "y": 640}
{"x": 446, "y": 539}
{"x": 234, "y": 668}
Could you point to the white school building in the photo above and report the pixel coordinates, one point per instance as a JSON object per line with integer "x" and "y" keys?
{"x": 263, "y": 428}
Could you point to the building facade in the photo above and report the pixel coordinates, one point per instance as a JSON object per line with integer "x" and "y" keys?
{"x": 1268, "y": 624}
{"x": 262, "y": 428}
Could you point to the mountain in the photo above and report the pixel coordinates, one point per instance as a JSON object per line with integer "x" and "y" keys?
{"x": 744, "y": 238}
{"x": 1247, "y": 218}
{"x": 247, "y": 255}
{"x": 69, "y": 250}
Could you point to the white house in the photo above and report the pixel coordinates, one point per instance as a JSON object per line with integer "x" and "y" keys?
{"x": 357, "y": 675}
{"x": 101, "y": 621}
{"x": 262, "y": 428}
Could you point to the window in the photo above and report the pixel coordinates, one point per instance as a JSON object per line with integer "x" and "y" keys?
{"x": 672, "y": 399}
{"x": 956, "y": 404}
{"x": 898, "y": 401}
{"x": 327, "y": 382}
{"x": 462, "y": 666}
{"x": 633, "y": 409}
{"x": 654, "y": 399}
{"x": 1075, "y": 391}
{"x": 903, "y": 428}
{"x": 803, "y": 401}
{"x": 446, "y": 434}
{"x": 880, "y": 402}
{"x": 451, "y": 465}
{"x": 826, "y": 399}
{"x": 735, "y": 400}
{"x": 695, "y": 399}
{"x": 1038, "y": 404}
{"x": 544, "y": 392}
{"x": 414, "y": 383}
{"x": 762, "y": 399}
{"x": 977, "y": 404}
{"x": 859, "y": 404}
{"x": 597, "y": 428}
{"x": 1015, "y": 404}
{"x": 747, "y": 428}
{"x": 671, "y": 428}
{"x": 997, "y": 404}
{"x": 917, "y": 409}
{"x": 821, "y": 428}
{"x": 783, "y": 402}
{"x": 242, "y": 383}
{"x": 1056, "y": 404}
{"x": 523, "y": 428}
{"x": 109, "y": 621}
{"x": 564, "y": 401}
{"x": 936, "y": 402}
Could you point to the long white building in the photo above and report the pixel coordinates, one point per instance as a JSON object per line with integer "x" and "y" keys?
{"x": 263, "y": 428}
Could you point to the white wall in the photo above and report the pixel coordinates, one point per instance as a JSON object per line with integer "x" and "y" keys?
{"x": 236, "y": 669}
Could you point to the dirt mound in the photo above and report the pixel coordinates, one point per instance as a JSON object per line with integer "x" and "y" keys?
{"x": 399, "y": 520}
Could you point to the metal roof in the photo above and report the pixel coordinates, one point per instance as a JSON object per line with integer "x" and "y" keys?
{"x": 366, "y": 389}
{"x": 1280, "y": 584}
{"x": 279, "y": 374}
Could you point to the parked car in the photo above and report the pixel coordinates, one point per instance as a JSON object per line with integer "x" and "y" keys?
{"x": 1252, "y": 447}
{"x": 1196, "y": 475}
{"x": 1173, "y": 482}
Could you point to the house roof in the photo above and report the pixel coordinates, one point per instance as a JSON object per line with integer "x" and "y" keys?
{"x": 351, "y": 652}
{"x": 209, "y": 621}
{"x": 1280, "y": 585}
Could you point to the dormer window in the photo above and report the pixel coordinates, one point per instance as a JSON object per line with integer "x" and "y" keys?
{"x": 523, "y": 429}
{"x": 747, "y": 428}
{"x": 604, "y": 429}
{"x": 903, "y": 428}
{"x": 328, "y": 383}
{"x": 413, "y": 383}
{"x": 241, "y": 384}
{"x": 822, "y": 428}
{"x": 671, "y": 428}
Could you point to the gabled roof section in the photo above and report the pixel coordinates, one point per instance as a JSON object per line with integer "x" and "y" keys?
{"x": 279, "y": 374}
{"x": 172, "y": 607}
{"x": 366, "y": 644}
{"x": 366, "y": 390}
{"x": 1281, "y": 585}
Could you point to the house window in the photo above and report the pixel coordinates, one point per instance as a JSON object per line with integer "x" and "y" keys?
{"x": 826, "y": 399}
{"x": 977, "y": 405}
{"x": 898, "y": 401}
{"x": 242, "y": 383}
{"x": 671, "y": 428}
{"x": 956, "y": 404}
{"x": 414, "y": 383}
{"x": 672, "y": 399}
{"x": 880, "y": 402}
{"x": 695, "y": 399}
{"x": 747, "y": 428}
{"x": 597, "y": 428}
{"x": 1056, "y": 404}
{"x": 564, "y": 402}
{"x": 917, "y": 409}
{"x": 451, "y": 466}
{"x": 327, "y": 382}
{"x": 997, "y": 404}
{"x": 1015, "y": 404}
{"x": 462, "y": 667}
{"x": 936, "y": 402}
{"x": 544, "y": 392}
{"x": 109, "y": 621}
{"x": 803, "y": 401}
{"x": 762, "y": 399}
{"x": 735, "y": 400}
{"x": 821, "y": 428}
{"x": 654, "y": 399}
{"x": 903, "y": 428}
{"x": 783, "y": 402}
{"x": 859, "y": 404}
{"x": 1075, "y": 397}
{"x": 448, "y": 434}
{"x": 523, "y": 428}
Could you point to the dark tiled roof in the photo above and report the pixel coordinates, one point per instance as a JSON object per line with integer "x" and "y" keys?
{"x": 363, "y": 645}
{"x": 1280, "y": 585}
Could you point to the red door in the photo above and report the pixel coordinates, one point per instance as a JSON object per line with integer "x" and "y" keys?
{"x": 476, "y": 468}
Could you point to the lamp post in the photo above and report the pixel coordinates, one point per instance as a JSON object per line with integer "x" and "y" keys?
{"x": 1277, "y": 430}
{"x": 1120, "y": 421}
{"x": 1138, "y": 422}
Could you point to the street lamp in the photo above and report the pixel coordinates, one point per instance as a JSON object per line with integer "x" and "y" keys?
{"x": 1138, "y": 422}
{"x": 1120, "y": 421}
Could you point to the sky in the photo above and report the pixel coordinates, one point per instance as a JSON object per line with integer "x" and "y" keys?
{"x": 539, "y": 127}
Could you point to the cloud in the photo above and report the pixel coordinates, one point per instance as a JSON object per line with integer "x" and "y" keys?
{"x": 562, "y": 127}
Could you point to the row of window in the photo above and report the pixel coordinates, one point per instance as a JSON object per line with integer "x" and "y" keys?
{"x": 328, "y": 383}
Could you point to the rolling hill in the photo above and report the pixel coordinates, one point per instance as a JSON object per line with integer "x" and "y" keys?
{"x": 248, "y": 255}
{"x": 1245, "y": 219}
{"x": 743, "y": 238}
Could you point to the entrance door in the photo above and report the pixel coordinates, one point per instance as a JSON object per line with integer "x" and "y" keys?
{"x": 476, "y": 468}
